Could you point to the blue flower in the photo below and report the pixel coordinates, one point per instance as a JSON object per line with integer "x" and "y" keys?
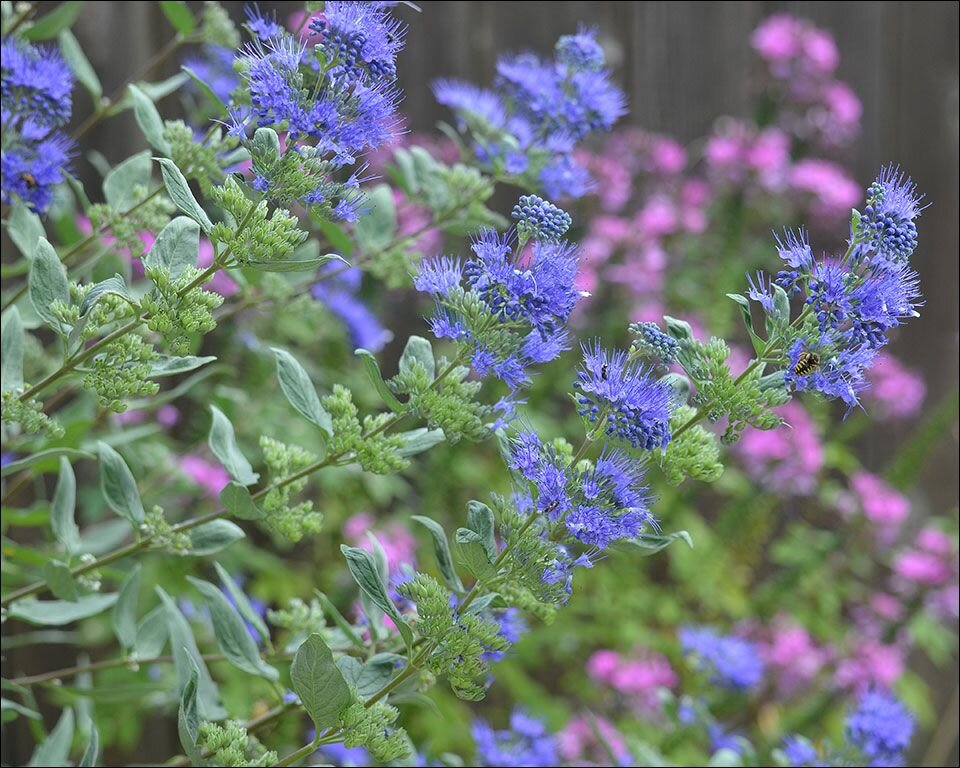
{"x": 761, "y": 291}
{"x": 36, "y": 86}
{"x": 887, "y": 229}
{"x": 732, "y": 662}
{"x": 580, "y": 51}
{"x": 799, "y": 752}
{"x": 360, "y": 39}
{"x": 538, "y": 219}
{"x": 654, "y": 341}
{"x": 634, "y": 406}
{"x": 339, "y": 296}
{"x": 829, "y": 294}
{"x": 214, "y": 66}
{"x": 346, "y": 757}
{"x": 30, "y": 170}
{"x": 260, "y": 25}
{"x": 438, "y": 276}
{"x": 526, "y": 743}
{"x": 819, "y": 365}
{"x": 881, "y": 728}
{"x": 794, "y": 250}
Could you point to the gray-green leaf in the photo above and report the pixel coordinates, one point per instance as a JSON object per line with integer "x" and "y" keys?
{"x": 77, "y": 61}
{"x": 55, "y": 749}
{"x": 231, "y": 633}
{"x": 24, "y": 228}
{"x": 124, "y": 615}
{"x": 60, "y": 580}
{"x": 149, "y": 120}
{"x": 188, "y": 721}
{"x": 319, "y": 683}
{"x": 299, "y": 390}
{"x": 441, "y": 549}
{"x": 373, "y": 371}
{"x": 174, "y": 366}
{"x": 236, "y": 499}
{"x": 56, "y": 613}
{"x": 120, "y": 184}
{"x": 242, "y": 602}
{"x": 118, "y": 486}
{"x": 473, "y": 554}
{"x": 223, "y": 443}
{"x": 418, "y": 351}
{"x": 11, "y": 338}
{"x": 176, "y": 247}
{"x": 47, "y": 282}
{"x": 480, "y": 520}
{"x": 363, "y": 568}
{"x": 209, "y": 538}
{"x": 180, "y": 193}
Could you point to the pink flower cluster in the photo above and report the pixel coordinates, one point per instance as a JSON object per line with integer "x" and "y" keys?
{"x": 590, "y": 740}
{"x": 637, "y": 677}
{"x": 801, "y": 59}
{"x": 398, "y": 543}
{"x": 895, "y": 391}
{"x": 210, "y": 476}
{"x": 786, "y": 460}
{"x": 930, "y": 565}
{"x": 882, "y": 505}
{"x": 792, "y": 657}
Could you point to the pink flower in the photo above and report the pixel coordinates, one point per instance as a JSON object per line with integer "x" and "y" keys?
{"x": 834, "y": 193}
{"x": 788, "y": 459}
{"x": 872, "y": 664}
{"x": 922, "y": 568}
{"x": 578, "y": 743}
{"x": 723, "y": 153}
{"x": 221, "y": 282}
{"x": 658, "y": 217}
{"x": 886, "y": 606}
{"x": 167, "y": 415}
{"x": 769, "y": 156}
{"x": 398, "y": 543}
{"x": 880, "y": 503}
{"x": 776, "y": 38}
{"x": 843, "y": 105}
{"x": 602, "y": 665}
{"x": 934, "y": 541}
{"x": 355, "y": 526}
{"x": 793, "y": 656}
{"x": 211, "y": 477}
{"x": 820, "y": 50}
{"x": 668, "y": 156}
{"x": 895, "y": 391}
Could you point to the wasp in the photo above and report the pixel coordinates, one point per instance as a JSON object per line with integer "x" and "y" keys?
{"x": 29, "y": 179}
{"x": 807, "y": 363}
{"x": 604, "y": 370}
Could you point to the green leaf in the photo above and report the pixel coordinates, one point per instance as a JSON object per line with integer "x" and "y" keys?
{"x": 43, "y": 456}
{"x": 745, "y": 312}
{"x": 121, "y": 182}
{"x": 209, "y": 538}
{"x": 92, "y": 753}
{"x": 11, "y": 344}
{"x": 480, "y": 521}
{"x": 319, "y": 683}
{"x": 373, "y": 371}
{"x": 124, "y": 617}
{"x": 149, "y": 120}
{"x": 48, "y": 283}
{"x": 215, "y": 100}
{"x": 294, "y": 265}
{"x": 151, "y": 634}
{"x": 51, "y": 25}
{"x": 473, "y": 554}
{"x": 336, "y": 235}
{"x": 441, "y": 549}
{"x": 489, "y": 600}
{"x": 8, "y": 705}
{"x": 112, "y": 285}
{"x": 236, "y": 499}
{"x": 174, "y": 366}
{"x": 188, "y": 720}
{"x": 223, "y": 443}
{"x": 55, "y": 749}
{"x": 418, "y": 351}
{"x": 332, "y": 613}
{"x": 176, "y": 247}
{"x": 231, "y": 633}
{"x": 242, "y": 603}
{"x": 368, "y": 678}
{"x": 24, "y": 228}
{"x": 652, "y": 543}
{"x": 419, "y": 440}
{"x": 781, "y": 306}
{"x": 180, "y": 193}
{"x": 679, "y": 383}
{"x": 299, "y": 390}
{"x": 118, "y": 486}
{"x": 179, "y": 16}
{"x": 187, "y": 659}
{"x": 56, "y": 613}
{"x": 60, "y": 580}
{"x": 77, "y": 61}
{"x": 679, "y": 329}
{"x": 364, "y": 570}
{"x": 377, "y": 229}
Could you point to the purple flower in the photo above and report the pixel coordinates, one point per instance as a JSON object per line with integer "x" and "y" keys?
{"x": 36, "y": 86}
{"x": 835, "y": 372}
{"x": 361, "y": 39}
{"x": 262, "y": 26}
{"x": 881, "y": 728}
{"x": 635, "y": 406}
{"x": 887, "y": 227}
{"x": 214, "y": 66}
{"x": 799, "y": 752}
{"x": 539, "y": 219}
{"x": 580, "y": 51}
{"x": 338, "y": 294}
{"x": 31, "y": 170}
{"x": 732, "y": 662}
{"x": 794, "y": 250}
{"x": 526, "y": 743}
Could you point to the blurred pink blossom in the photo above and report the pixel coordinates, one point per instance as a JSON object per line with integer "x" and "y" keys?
{"x": 211, "y": 477}
{"x": 834, "y": 193}
{"x": 578, "y": 742}
{"x": 871, "y": 664}
{"x": 788, "y": 459}
{"x": 792, "y": 655}
{"x": 880, "y": 503}
{"x": 895, "y": 392}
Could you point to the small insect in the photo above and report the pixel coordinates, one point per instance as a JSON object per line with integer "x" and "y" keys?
{"x": 550, "y": 507}
{"x": 807, "y": 363}
{"x": 604, "y": 370}
{"x": 29, "y": 179}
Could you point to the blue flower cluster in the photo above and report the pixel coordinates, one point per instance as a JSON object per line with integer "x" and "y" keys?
{"x": 339, "y": 295}
{"x": 538, "y": 219}
{"x": 36, "y": 86}
{"x": 654, "y": 342}
{"x": 509, "y": 308}
{"x": 335, "y": 100}
{"x": 881, "y": 728}
{"x": 851, "y": 303}
{"x": 621, "y": 393}
{"x": 526, "y": 743}
{"x": 731, "y": 661}
{"x": 528, "y": 125}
